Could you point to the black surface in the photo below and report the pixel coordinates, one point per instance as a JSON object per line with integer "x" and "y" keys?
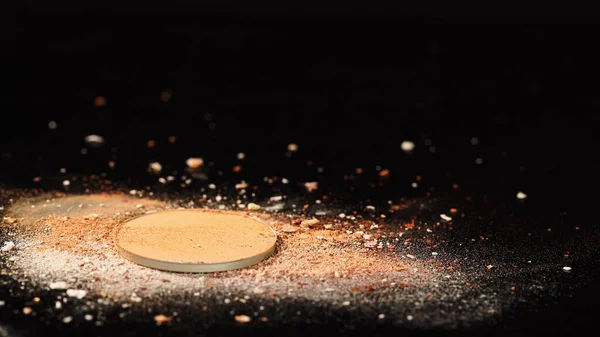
{"x": 348, "y": 90}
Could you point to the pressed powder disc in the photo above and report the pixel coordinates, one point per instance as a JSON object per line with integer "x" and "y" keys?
{"x": 195, "y": 241}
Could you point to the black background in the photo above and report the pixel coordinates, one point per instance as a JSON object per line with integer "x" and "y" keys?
{"x": 346, "y": 82}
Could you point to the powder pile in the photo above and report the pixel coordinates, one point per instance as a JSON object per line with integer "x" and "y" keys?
{"x": 71, "y": 238}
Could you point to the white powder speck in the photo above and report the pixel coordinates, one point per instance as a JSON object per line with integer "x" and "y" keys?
{"x": 407, "y": 146}
{"x": 76, "y": 293}
{"x": 59, "y": 285}
{"x": 8, "y": 245}
{"x": 521, "y": 196}
{"x": 445, "y": 217}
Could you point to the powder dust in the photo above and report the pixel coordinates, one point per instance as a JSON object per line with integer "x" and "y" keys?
{"x": 70, "y": 239}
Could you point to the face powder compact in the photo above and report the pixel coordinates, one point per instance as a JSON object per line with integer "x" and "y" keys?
{"x": 195, "y": 241}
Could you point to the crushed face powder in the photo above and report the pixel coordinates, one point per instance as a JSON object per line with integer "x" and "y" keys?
{"x": 195, "y": 240}
{"x": 71, "y": 239}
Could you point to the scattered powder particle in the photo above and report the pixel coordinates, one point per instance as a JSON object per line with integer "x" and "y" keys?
{"x": 94, "y": 140}
{"x": 165, "y": 96}
{"x": 292, "y": 147}
{"x": 243, "y": 318}
{"x": 474, "y": 141}
{"x": 253, "y": 206}
{"x": 194, "y": 163}
{"x": 407, "y": 146}
{"x": 99, "y": 101}
{"x": 162, "y": 319}
{"x": 567, "y": 268}
{"x": 2, "y": 303}
{"x": 521, "y": 196}
{"x": 409, "y": 317}
{"x": 384, "y": 173}
{"x": 52, "y": 125}
{"x": 478, "y": 161}
{"x": 241, "y": 185}
{"x": 68, "y": 319}
{"x": 8, "y": 245}
{"x": 445, "y": 217}
{"x": 241, "y": 156}
{"x": 78, "y": 293}
{"x": 490, "y": 267}
{"x": 309, "y": 222}
{"x": 312, "y": 186}
{"x": 346, "y": 303}
{"x": 381, "y": 316}
{"x": 27, "y": 310}
{"x": 155, "y": 167}
{"x": 288, "y": 229}
{"x": 88, "y": 317}
{"x": 66, "y": 183}
{"x": 59, "y": 285}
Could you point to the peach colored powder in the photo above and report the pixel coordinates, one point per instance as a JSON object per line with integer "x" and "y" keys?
{"x": 194, "y": 236}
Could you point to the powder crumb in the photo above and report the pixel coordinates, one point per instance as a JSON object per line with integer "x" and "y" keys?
{"x": 407, "y": 146}
{"x": 8, "y": 245}
{"x": 78, "y": 293}
{"x": 309, "y": 222}
{"x": 243, "y": 318}
{"x": 68, "y": 319}
{"x": 521, "y": 195}
{"x": 288, "y": 229}
{"x": 162, "y": 319}
{"x": 311, "y": 186}
{"x": 59, "y": 285}
{"x": 88, "y": 317}
{"x": 253, "y": 207}
{"x": 445, "y": 217}
{"x": 27, "y": 310}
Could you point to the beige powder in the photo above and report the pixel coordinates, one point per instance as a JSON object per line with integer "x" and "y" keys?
{"x": 196, "y": 237}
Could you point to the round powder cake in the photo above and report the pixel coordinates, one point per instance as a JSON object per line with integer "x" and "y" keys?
{"x": 195, "y": 241}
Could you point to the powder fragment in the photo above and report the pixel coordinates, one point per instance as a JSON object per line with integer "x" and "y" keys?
{"x": 27, "y": 310}
{"x": 162, "y": 319}
{"x": 243, "y": 318}
{"x": 253, "y": 207}
{"x": 59, "y": 285}
{"x": 8, "y": 245}
{"x": 445, "y": 217}
{"x": 288, "y": 229}
{"x": 68, "y": 319}
{"x": 78, "y": 293}
{"x": 309, "y": 222}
